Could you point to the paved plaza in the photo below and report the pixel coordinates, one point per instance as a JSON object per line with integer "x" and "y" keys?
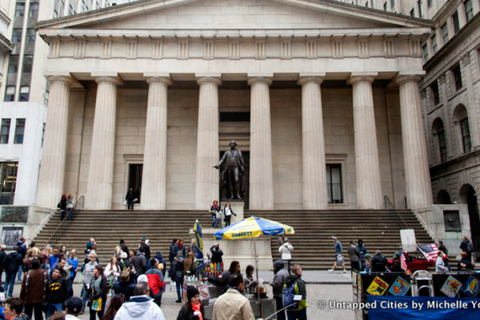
{"x": 323, "y": 288}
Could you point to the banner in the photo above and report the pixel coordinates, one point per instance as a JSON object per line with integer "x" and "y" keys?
{"x": 198, "y": 247}
{"x": 422, "y": 308}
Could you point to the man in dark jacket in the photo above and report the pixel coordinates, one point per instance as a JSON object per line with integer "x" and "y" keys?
{"x": 379, "y": 262}
{"x": 56, "y": 292}
{"x": 124, "y": 285}
{"x": 33, "y": 289}
{"x": 23, "y": 246}
{"x": 140, "y": 263}
{"x": 300, "y": 312}
{"x": 279, "y": 278}
{"x": 467, "y": 247}
{"x": 3, "y": 254}
{"x": 217, "y": 253}
{"x": 11, "y": 263}
{"x": 130, "y": 197}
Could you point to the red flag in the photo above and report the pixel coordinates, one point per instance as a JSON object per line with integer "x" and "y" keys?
{"x": 403, "y": 260}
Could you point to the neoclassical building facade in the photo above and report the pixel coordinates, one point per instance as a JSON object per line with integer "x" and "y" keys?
{"x": 321, "y": 96}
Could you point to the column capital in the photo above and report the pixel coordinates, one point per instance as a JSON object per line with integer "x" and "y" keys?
{"x": 261, "y": 78}
{"x": 115, "y": 80}
{"x": 311, "y": 78}
{"x": 209, "y": 79}
{"x": 66, "y": 79}
{"x": 402, "y": 79}
{"x": 360, "y": 76}
{"x": 166, "y": 80}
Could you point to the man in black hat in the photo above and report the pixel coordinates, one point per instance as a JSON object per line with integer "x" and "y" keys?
{"x": 73, "y": 306}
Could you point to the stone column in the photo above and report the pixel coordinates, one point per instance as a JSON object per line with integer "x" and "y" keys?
{"x": 313, "y": 145}
{"x": 369, "y": 188}
{"x": 155, "y": 154}
{"x": 207, "y": 177}
{"x": 100, "y": 173}
{"x": 261, "y": 176}
{"x": 52, "y": 171}
{"x": 417, "y": 175}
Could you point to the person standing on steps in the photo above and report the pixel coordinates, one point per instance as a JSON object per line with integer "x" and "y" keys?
{"x": 286, "y": 252}
{"x": 227, "y": 211}
{"x": 130, "y": 197}
{"x": 339, "y": 259}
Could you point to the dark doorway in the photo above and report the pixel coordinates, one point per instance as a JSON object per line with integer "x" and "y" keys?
{"x": 471, "y": 199}
{"x": 224, "y": 196}
{"x": 135, "y": 172}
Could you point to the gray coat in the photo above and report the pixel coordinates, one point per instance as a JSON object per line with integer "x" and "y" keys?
{"x": 279, "y": 278}
{"x": 354, "y": 253}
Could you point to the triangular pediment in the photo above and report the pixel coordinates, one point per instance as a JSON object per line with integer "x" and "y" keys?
{"x": 234, "y": 14}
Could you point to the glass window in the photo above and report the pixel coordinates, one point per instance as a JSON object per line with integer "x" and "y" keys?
{"x": 412, "y": 13}
{"x": 17, "y": 35}
{"x": 5, "y": 131}
{"x": 19, "y": 9}
{"x": 425, "y": 53}
{"x": 24, "y": 93}
{"x": 19, "y": 131}
{"x": 420, "y": 13}
{"x": 455, "y": 22}
{"x": 429, "y": 3}
{"x": 445, "y": 33}
{"x": 467, "y": 143}
{"x": 13, "y": 64}
{"x": 433, "y": 42}
{"x": 468, "y": 9}
{"x": 392, "y": 4}
{"x": 8, "y": 179}
{"x": 33, "y": 9}
{"x": 442, "y": 143}
{"x": 436, "y": 95}
{"x": 30, "y": 35}
{"x": 334, "y": 183}
{"x": 385, "y": 6}
{"x": 27, "y": 63}
{"x": 10, "y": 93}
{"x": 457, "y": 75}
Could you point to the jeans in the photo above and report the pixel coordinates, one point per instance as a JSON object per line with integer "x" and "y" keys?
{"x": 9, "y": 283}
{"x": 227, "y": 220}
{"x": 34, "y": 307}
{"x": 158, "y": 298}
{"x": 84, "y": 296}
{"x": 19, "y": 274}
{"x": 214, "y": 221}
{"x": 297, "y": 315}
{"x": 179, "y": 285}
{"x": 69, "y": 214}
{"x": 279, "y": 303}
{"x": 130, "y": 204}
{"x": 53, "y": 307}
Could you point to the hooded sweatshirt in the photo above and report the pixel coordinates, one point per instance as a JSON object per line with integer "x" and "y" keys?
{"x": 279, "y": 278}
{"x": 140, "y": 307}
{"x": 302, "y": 289}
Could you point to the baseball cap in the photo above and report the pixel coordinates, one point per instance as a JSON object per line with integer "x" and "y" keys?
{"x": 74, "y": 305}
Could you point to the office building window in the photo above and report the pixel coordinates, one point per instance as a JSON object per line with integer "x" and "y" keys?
{"x": 17, "y": 35}
{"x": 425, "y": 53}
{"x": 445, "y": 33}
{"x": 5, "y": 131}
{"x": 8, "y": 181}
{"x": 468, "y": 9}
{"x": 385, "y": 6}
{"x": 392, "y": 4}
{"x": 433, "y": 42}
{"x": 13, "y": 64}
{"x": 27, "y": 63}
{"x": 442, "y": 143}
{"x": 412, "y": 13}
{"x": 33, "y": 9}
{"x": 24, "y": 93}
{"x": 467, "y": 142}
{"x": 19, "y": 131}
{"x": 435, "y": 93}
{"x": 420, "y": 12}
{"x": 334, "y": 183}
{"x": 19, "y": 9}
{"x": 457, "y": 76}
{"x": 455, "y": 22}
{"x": 30, "y": 35}
{"x": 429, "y": 3}
{"x": 10, "y": 93}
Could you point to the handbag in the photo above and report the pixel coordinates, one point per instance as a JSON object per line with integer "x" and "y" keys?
{"x": 97, "y": 304}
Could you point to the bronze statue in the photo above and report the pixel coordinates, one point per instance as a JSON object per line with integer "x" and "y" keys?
{"x": 234, "y": 168}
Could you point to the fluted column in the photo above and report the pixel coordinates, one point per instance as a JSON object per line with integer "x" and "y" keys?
{"x": 155, "y": 154}
{"x": 100, "y": 173}
{"x": 52, "y": 171}
{"x": 369, "y": 188}
{"x": 417, "y": 175}
{"x": 207, "y": 179}
{"x": 261, "y": 176}
{"x": 313, "y": 145}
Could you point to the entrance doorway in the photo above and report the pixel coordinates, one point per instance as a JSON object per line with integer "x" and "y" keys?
{"x": 135, "y": 172}
{"x": 468, "y": 195}
{"x": 244, "y": 181}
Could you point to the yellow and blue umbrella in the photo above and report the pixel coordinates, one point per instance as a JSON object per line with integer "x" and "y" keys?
{"x": 253, "y": 227}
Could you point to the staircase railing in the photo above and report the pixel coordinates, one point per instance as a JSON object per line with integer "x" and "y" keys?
{"x": 63, "y": 226}
{"x": 390, "y": 207}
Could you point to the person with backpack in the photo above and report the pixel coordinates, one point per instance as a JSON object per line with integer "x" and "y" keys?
{"x": 467, "y": 247}
{"x": 296, "y": 310}
{"x": 280, "y": 276}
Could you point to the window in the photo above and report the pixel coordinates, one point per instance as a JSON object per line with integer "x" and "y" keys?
{"x": 70, "y": 9}
{"x": 13, "y": 64}
{"x": 436, "y": 95}
{"x": 17, "y": 35}
{"x": 466, "y": 141}
{"x": 444, "y": 33}
{"x": 30, "y": 35}
{"x": 19, "y": 131}
{"x": 385, "y": 6}
{"x": 442, "y": 143}
{"x": 425, "y": 53}
{"x": 457, "y": 75}
{"x": 433, "y": 42}
{"x": 234, "y": 116}
{"x": 334, "y": 183}
{"x": 5, "y": 131}
{"x": 455, "y": 22}
{"x": 19, "y": 9}
{"x": 24, "y": 93}
{"x": 412, "y": 13}
{"x": 429, "y": 3}
{"x": 33, "y": 9}
{"x": 420, "y": 13}
{"x": 43, "y": 135}
{"x": 468, "y": 9}
{"x": 27, "y": 63}
{"x": 392, "y": 4}
{"x": 10, "y": 93}
{"x": 8, "y": 181}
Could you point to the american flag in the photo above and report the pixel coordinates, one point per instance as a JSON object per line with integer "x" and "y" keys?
{"x": 430, "y": 251}
{"x": 403, "y": 260}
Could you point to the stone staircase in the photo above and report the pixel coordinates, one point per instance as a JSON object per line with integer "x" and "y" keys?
{"x": 313, "y": 242}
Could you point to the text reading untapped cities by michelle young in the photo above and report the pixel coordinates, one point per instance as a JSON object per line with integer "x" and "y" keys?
{"x": 441, "y": 305}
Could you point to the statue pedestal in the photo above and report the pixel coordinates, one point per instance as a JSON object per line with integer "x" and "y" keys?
{"x": 242, "y": 250}
{"x": 237, "y": 208}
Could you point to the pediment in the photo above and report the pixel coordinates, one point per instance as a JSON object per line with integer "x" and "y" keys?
{"x": 234, "y": 15}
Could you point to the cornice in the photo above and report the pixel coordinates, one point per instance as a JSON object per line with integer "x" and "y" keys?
{"x": 5, "y": 44}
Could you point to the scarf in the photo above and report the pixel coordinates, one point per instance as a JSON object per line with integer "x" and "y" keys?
{"x": 196, "y": 307}
{"x": 95, "y": 285}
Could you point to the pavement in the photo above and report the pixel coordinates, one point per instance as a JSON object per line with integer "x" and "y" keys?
{"x": 327, "y": 295}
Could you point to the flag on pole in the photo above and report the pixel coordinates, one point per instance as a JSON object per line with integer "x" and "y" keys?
{"x": 403, "y": 260}
{"x": 430, "y": 251}
{"x": 198, "y": 247}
